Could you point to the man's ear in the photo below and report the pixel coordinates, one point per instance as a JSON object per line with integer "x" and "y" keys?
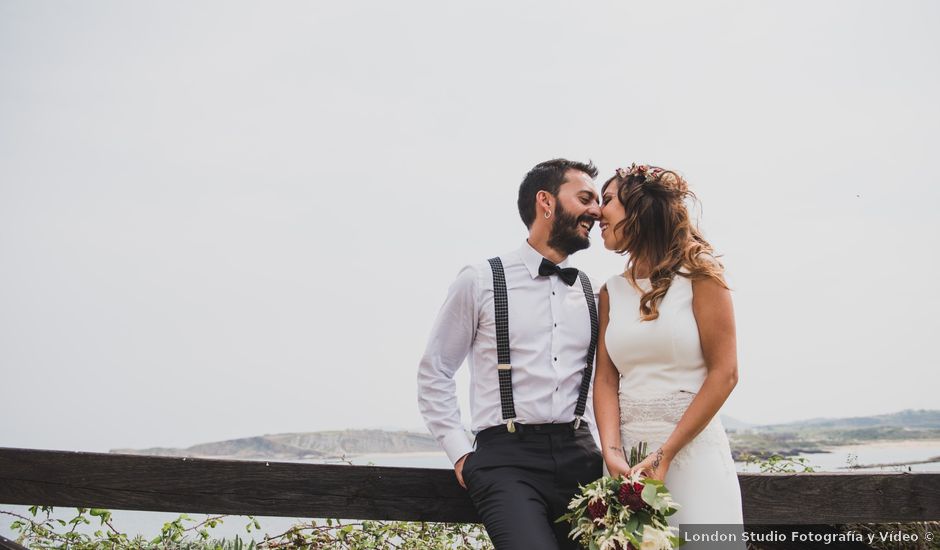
{"x": 544, "y": 202}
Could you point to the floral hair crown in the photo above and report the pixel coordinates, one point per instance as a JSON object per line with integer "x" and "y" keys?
{"x": 648, "y": 172}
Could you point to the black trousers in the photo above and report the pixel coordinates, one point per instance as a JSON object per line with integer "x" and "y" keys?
{"x": 522, "y": 482}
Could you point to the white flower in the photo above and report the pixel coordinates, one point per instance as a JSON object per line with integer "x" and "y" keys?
{"x": 576, "y": 502}
{"x": 584, "y": 527}
{"x": 624, "y": 515}
{"x": 635, "y": 477}
{"x": 667, "y": 500}
{"x": 598, "y": 492}
{"x": 655, "y": 539}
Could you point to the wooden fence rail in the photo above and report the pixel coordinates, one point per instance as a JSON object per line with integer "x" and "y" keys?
{"x": 131, "y": 482}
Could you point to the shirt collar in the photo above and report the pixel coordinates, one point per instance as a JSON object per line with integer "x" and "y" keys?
{"x": 532, "y": 259}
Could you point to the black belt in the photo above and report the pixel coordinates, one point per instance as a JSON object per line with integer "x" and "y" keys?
{"x": 529, "y": 429}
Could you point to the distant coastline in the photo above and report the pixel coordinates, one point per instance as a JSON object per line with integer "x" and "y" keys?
{"x": 908, "y": 427}
{"x": 821, "y": 435}
{"x": 334, "y": 445}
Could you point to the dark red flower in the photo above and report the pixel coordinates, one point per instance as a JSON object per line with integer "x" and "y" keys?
{"x": 597, "y": 509}
{"x": 630, "y": 497}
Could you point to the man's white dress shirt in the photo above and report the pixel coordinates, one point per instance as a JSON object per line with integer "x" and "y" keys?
{"x": 549, "y": 334}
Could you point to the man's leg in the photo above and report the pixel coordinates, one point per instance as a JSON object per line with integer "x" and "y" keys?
{"x": 579, "y": 462}
{"x": 514, "y": 508}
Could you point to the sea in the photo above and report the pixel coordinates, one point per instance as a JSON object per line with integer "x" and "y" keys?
{"x": 838, "y": 459}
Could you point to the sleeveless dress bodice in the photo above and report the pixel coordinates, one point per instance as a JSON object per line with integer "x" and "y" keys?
{"x": 659, "y": 356}
{"x": 662, "y": 369}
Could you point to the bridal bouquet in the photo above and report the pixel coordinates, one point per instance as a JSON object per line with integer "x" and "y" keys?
{"x": 617, "y": 513}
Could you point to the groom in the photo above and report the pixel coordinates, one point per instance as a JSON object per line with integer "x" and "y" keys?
{"x": 528, "y": 324}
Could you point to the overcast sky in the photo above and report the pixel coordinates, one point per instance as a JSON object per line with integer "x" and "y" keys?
{"x": 223, "y": 219}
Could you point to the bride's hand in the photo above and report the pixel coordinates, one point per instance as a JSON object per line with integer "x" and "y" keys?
{"x": 655, "y": 466}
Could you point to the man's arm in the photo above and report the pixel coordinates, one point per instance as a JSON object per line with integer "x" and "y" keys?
{"x": 450, "y": 341}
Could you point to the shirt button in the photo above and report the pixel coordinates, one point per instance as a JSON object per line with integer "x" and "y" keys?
{"x": 556, "y": 359}
{"x": 553, "y": 293}
{"x": 556, "y": 324}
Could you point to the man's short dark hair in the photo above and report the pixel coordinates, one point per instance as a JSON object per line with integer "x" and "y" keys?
{"x": 547, "y": 176}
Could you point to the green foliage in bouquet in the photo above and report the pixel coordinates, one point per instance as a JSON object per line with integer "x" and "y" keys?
{"x": 623, "y": 513}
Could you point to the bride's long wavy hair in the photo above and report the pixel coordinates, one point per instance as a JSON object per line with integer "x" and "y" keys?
{"x": 659, "y": 233}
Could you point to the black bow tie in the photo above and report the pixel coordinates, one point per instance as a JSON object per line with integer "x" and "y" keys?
{"x": 567, "y": 274}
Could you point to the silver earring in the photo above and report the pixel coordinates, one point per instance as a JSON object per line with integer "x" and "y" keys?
{"x": 548, "y": 214}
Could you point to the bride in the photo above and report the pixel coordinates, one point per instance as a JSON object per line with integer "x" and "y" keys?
{"x": 666, "y": 358}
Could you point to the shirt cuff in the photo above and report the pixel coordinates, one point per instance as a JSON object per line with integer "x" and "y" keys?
{"x": 456, "y": 444}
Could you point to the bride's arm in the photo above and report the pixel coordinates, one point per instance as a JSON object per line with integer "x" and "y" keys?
{"x": 714, "y": 314}
{"x": 606, "y": 399}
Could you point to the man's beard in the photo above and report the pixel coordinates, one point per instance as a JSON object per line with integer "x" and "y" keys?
{"x": 565, "y": 235}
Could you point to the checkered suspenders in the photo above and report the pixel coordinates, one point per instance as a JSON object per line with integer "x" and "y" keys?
{"x": 589, "y": 362}
{"x": 501, "y": 306}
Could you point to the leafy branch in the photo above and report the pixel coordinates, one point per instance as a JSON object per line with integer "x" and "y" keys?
{"x": 52, "y": 533}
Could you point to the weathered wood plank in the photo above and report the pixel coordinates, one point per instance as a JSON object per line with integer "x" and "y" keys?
{"x": 7, "y": 544}
{"x": 840, "y": 497}
{"x": 131, "y": 482}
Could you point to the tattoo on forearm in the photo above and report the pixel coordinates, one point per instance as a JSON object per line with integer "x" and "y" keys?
{"x": 658, "y": 459}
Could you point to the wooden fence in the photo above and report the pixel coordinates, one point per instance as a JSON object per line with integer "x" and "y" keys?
{"x": 190, "y": 485}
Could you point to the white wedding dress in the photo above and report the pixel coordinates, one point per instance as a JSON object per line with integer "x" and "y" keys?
{"x": 662, "y": 368}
